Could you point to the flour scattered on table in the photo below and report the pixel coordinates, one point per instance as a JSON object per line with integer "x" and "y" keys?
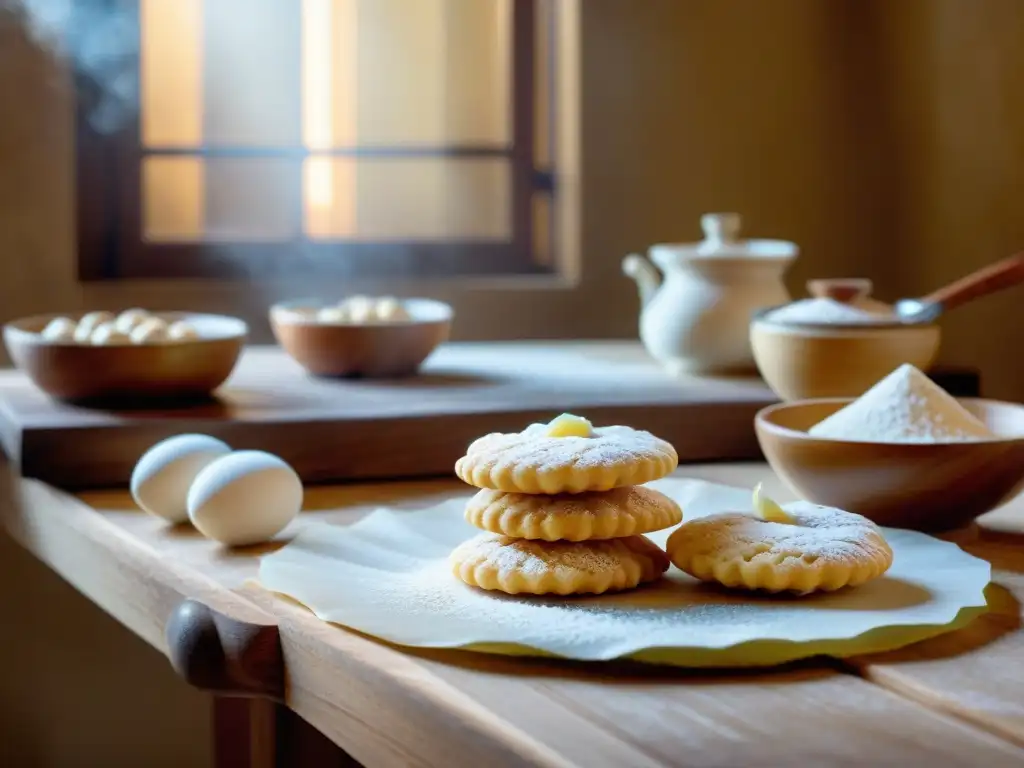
{"x": 904, "y": 407}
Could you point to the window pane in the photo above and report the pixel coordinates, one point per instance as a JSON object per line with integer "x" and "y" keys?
{"x": 427, "y": 72}
{"x": 172, "y": 76}
{"x": 477, "y": 75}
{"x": 221, "y": 72}
{"x": 544, "y": 35}
{"x": 326, "y": 72}
{"x": 172, "y": 199}
{"x": 407, "y": 199}
{"x": 252, "y": 63}
{"x": 186, "y": 199}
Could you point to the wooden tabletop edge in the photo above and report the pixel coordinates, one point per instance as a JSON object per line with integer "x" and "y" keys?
{"x": 48, "y": 502}
{"x": 215, "y": 638}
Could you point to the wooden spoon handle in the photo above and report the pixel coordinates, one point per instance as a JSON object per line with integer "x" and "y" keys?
{"x": 995, "y": 277}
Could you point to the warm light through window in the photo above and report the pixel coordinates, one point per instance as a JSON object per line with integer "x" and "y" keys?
{"x": 317, "y": 107}
{"x": 427, "y": 75}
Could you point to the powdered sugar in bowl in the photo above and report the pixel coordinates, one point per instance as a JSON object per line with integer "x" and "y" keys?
{"x": 824, "y": 347}
{"x": 905, "y": 454}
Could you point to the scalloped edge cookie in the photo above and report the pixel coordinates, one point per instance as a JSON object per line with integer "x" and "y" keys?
{"x": 520, "y": 566}
{"x": 589, "y": 516}
{"x": 823, "y": 550}
{"x": 531, "y": 461}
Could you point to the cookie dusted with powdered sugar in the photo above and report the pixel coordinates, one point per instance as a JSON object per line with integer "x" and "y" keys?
{"x": 519, "y": 566}
{"x": 574, "y": 516}
{"x": 804, "y": 548}
{"x": 566, "y": 456}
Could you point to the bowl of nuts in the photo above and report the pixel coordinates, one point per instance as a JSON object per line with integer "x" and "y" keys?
{"x": 132, "y": 354}
{"x": 361, "y": 336}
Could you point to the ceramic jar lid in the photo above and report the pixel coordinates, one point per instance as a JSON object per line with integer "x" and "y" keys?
{"x": 855, "y": 291}
{"x": 722, "y": 239}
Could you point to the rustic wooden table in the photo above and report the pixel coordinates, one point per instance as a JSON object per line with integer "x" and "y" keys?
{"x": 957, "y": 700}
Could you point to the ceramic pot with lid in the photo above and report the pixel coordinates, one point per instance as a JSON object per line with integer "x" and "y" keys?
{"x": 697, "y": 298}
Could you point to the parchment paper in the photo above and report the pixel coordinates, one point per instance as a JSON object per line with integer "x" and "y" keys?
{"x": 388, "y": 576}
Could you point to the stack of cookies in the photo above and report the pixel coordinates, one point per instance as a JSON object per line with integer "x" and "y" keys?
{"x": 563, "y": 508}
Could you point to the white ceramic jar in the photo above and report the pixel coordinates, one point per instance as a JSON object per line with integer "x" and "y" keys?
{"x": 695, "y": 314}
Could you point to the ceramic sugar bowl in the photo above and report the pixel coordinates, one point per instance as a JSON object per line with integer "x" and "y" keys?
{"x": 695, "y": 313}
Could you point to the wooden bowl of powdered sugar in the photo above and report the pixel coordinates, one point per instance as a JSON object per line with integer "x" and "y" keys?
{"x": 905, "y": 454}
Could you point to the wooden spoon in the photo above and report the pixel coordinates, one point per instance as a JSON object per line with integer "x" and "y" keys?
{"x": 987, "y": 280}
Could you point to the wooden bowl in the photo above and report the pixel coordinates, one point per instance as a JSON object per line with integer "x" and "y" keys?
{"x": 921, "y": 486}
{"x": 183, "y": 369}
{"x": 801, "y": 362}
{"x": 373, "y": 350}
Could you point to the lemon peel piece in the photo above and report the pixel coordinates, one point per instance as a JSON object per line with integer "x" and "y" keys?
{"x": 768, "y": 509}
{"x": 568, "y": 425}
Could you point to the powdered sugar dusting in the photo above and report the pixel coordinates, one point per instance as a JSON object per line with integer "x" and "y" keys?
{"x": 826, "y": 311}
{"x": 904, "y": 407}
{"x": 825, "y": 534}
{"x": 533, "y": 447}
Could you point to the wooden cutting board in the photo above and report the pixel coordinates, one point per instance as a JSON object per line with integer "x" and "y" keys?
{"x": 335, "y": 430}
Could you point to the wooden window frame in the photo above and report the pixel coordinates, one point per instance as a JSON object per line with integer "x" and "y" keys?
{"x": 109, "y": 196}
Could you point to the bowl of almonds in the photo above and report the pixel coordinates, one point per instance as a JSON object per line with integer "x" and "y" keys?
{"x": 131, "y": 354}
{"x": 361, "y": 336}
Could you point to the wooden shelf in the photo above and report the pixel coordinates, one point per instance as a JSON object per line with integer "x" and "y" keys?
{"x": 358, "y": 429}
{"x": 333, "y": 430}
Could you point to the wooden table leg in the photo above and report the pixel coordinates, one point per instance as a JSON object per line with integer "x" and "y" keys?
{"x": 244, "y": 732}
{"x": 242, "y": 665}
{"x": 259, "y": 733}
{"x": 301, "y": 745}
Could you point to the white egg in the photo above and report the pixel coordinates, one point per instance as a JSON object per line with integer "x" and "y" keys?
{"x": 244, "y": 498}
{"x": 60, "y": 330}
{"x": 150, "y": 331}
{"x": 162, "y": 478}
{"x": 90, "y": 323}
{"x": 108, "y": 335}
{"x": 181, "y": 330}
{"x": 338, "y": 314}
{"x": 128, "y": 320}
